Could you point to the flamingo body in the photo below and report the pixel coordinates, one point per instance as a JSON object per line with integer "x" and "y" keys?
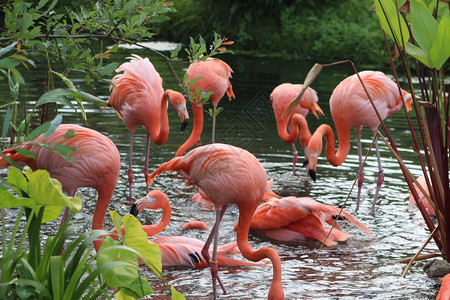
{"x": 96, "y": 164}
{"x": 422, "y": 198}
{"x": 228, "y": 174}
{"x": 211, "y": 75}
{"x": 138, "y": 97}
{"x": 350, "y": 107}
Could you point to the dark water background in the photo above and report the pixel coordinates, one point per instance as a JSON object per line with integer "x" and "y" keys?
{"x": 361, "y": 268}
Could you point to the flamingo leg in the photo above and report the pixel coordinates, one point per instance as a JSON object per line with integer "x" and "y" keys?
{"x": 65, "y": 216}
{"x": 295, "y": 158}
{"x": 205, "y": 252}
{"x": 213, "y": 124}
{"x": 147, "y": 154}
{"x": 380, "y": 177}
{"x": 361, "y": 174}
{"x": 130, "y": 163}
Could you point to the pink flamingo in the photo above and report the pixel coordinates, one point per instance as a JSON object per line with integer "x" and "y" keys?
{"x": 180, "y": 250}
{"x": 138, "y": 97}
{"x": 214, "y": 77}
{"x": 299, "y": 219}
{"x": 288, "y": 128}
{"x": 96, "y": 164}
{"x": 228, "y": 174}
{"x": 350, "y": 107}
{"x": 444, "y": 290}
{"x": 197, "y": 128}
{"x": 422, "y": 198}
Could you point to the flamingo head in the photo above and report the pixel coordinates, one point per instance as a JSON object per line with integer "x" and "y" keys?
{"x": 179, "y": 104}
{"x": 155, "y": 199}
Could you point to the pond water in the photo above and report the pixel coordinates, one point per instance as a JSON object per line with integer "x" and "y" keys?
{"x": 361, "y": 268}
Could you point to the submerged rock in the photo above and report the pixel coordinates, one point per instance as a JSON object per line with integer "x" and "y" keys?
{"x": 437, "y": 268}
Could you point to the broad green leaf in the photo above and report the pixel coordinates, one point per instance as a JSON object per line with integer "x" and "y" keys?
{"x": 417, "y": 53}
{"x": 17, "y": 179}
{"x": 137, "y": 239}
{"x": 390, "y": 19}
{"x": 117, "y": 220}
{"x": 7, "y": 198}
{"x": 7, "y": 48}
{"x": 138, "y": 288}
{"x": 440, "y": 52}
{"x": 176, "y": 295}
{"x": 56, "y": 96}
{"x": 120, "y": 275}
{"x": 423, "y": 25}
{"x": 88, "y": 97}
{"x": 109, "y": 68}
{"x": 47, "y": 129}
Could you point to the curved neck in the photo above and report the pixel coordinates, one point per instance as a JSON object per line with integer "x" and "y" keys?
{"x": 298, "y": 125}
{"x": 197, "y": 111}
{"x": 161, "y": 133}
{"x": 336, "y": 159}
{"x": 276, "y": 288}
{"x": 151, "y": 230}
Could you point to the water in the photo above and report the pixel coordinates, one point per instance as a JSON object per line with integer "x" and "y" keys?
{"x": 361, "y": 268}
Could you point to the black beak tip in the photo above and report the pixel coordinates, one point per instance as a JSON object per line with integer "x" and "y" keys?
{"x": 312, "y": 174}
{"x": 305, "y": 163}
{"x": 134, "y": 210}
{"x": 184, "y": 124}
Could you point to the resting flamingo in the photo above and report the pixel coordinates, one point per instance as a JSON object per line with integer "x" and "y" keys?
{"x": 228, "y": 174}
{"x": 96, "y": 164}
{"x": 350, "y": 107}
{"x": 422, "y": 198}
{"x": 138, "y": 97}
{"x": 213, "y": 75}
{"x": 299, "y": 219}
{"x": 288, "y": 128}
{"x": 180, "y": 250}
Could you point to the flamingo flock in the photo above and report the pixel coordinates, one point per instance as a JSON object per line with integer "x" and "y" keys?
{"x": 224, "y": 174}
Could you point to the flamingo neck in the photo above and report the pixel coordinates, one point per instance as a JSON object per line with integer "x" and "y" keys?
{"x": 336, "y": 159}
{"x": 276, "y": 288}
{"x": 152, "y": 230}
{"x": 197, "y": 129}
{"x": 161, "y": 133}
{"x": 104, "y": 197}
{"x": 298, "y": 125}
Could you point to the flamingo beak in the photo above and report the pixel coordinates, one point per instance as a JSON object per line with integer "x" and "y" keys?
{"x": 305, "y": 163}
{"x": 316, "y": 109}
{"x": 134, "y": 209}
{"x": 184, "y": 116}
{"x": 312, "y": 174}
{"x": 140, "y": 204}
{"x": 184, "y": 124}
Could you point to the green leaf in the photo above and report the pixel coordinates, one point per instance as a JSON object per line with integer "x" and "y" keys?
{"x": 176, "y": 295}
{"x": 423, "y": 25}
{"x": 56, "y": 267}
{"x": 418, "y": 54}
{"x": 137, "y": 239}
{"x": 440, "y": 52}
{"x": 120, "y": 275}
{"x": 17, "y": 179}
{"x": 9, "y": 62}
{"x": 56, "y": 96}
{"x": 25, "y": 152}
{"x": 88, "y": 97}
{"x": 390, "y": 18}
{"x": 53, "y": 125}
{"x": 138, "y": 288}
{"x": 7, "y": 48}
{"x": 6, "y": 121}
{"x": 109, "y": 68}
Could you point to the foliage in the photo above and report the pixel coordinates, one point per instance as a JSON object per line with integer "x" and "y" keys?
{"x": 62, "y": 266}
{"x": 322, "y": 31}
{"x": 424, "y": 39}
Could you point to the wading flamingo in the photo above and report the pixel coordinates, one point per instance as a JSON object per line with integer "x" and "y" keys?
{"x": 180, "y": 250}
{"x": 288, "y": 128}
{"x": 228, "y": 174}
{"x": 299, "y": 219}
{"x": 96, "y": 164}
{"x": 214, "y": 77}
{"x": 350, "y": 107}
{"x": 138, "y": 97}
{"x": 422, "y": 198}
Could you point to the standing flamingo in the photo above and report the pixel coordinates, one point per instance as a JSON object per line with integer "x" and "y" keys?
{"x": 96, "y": 164}
{"x": 213, "y": 75}
{"x": 138, "y": 97}
{"x": 228, "y": 174}
{"x": 350, "y": 107}
{"x": 180, "y": 250}
{"x": 288, "y": 128}
{"x": 298, "y": 219}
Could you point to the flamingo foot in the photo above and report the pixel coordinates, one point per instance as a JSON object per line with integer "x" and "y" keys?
{"x": 360, "y": 183}
{"x": 215, "y": 278}
{"x": 380, "y": 180}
